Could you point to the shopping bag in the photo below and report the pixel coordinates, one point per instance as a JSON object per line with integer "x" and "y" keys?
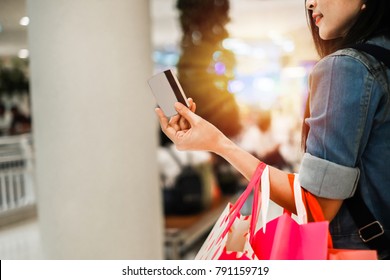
{"x": 285, "y": 239}
{"x": 350, "y": 254}
{"x": 230, "y": 238}
{"x": 335, "y": 253}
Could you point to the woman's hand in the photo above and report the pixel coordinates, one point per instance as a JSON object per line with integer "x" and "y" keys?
{"x": 189, "y": 131}
{"x": 182, "y": 123}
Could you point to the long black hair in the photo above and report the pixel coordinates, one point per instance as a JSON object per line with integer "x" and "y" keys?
{"x": 374, "y": 20}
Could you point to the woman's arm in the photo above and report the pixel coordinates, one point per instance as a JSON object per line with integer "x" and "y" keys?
{"x": 246, "y": 164}
{"x": 202, "y": 135}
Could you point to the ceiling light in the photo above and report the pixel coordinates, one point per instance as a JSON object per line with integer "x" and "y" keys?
{"x": 24, "y": 21}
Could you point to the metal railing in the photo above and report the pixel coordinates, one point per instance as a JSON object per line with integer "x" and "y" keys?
{"x": 17, "y": 194}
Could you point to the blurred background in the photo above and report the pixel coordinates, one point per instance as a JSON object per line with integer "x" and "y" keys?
{"x": 85, "y": 172}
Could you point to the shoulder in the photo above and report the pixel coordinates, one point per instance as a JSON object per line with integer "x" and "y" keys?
{"x": 350, "y": 64}
{"x": 362, "y": 60}
{"x": 343, "y": 61}
{"x": 343, "y": 80}
{"x": 344, "y": 69}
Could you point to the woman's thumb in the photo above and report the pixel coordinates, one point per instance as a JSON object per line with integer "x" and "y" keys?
{"x": 185, "y": 112}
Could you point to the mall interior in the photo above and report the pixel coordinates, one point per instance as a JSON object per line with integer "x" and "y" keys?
{"x": 85, "y": 172}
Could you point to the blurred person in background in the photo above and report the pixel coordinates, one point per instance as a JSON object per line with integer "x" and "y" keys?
{"x": 5, "y": 119}
{"x": 20, "y": 122}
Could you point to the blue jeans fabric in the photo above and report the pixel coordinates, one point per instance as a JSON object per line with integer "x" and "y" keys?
{"x": 345, "y": 234}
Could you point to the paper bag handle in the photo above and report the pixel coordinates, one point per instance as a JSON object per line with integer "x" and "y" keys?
{"x": 263, "y": 205}
{"x": 254, "y": 183}
{"x": 311, "y": 204}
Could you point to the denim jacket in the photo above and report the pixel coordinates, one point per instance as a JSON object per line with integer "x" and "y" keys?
{"x": 348, "y": 145}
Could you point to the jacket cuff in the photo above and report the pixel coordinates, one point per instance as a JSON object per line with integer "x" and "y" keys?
{"x": 327, "y": 179}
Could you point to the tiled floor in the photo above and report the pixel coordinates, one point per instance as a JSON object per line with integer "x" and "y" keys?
{"x": 21, "y": 241}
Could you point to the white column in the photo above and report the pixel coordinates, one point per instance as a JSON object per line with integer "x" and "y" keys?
{"x": 95, "y": 131}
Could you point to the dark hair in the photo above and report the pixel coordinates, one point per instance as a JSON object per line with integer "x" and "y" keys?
{"x": 373, "y": 20}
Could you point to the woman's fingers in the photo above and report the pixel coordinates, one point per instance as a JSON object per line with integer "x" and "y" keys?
{"x": 166, "y": 127}
{"x": 183, "y": 124}
{"x": 162, "y": 118}
{"x": 186, "y": 113}
{"x": 175, "y": 122}
{"x": 193, "y": 108}
{"x": 192, "y": 104}
{"x": 177, "y": 126}
{"x": 174, "y": 119}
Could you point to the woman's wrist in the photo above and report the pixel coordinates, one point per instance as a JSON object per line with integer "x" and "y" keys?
{"x": 222, "y": 145}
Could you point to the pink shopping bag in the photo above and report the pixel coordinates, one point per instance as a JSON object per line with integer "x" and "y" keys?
{"x": 230, "y": 238}
{"x": 335, "y": 253}
{"x": 349, "y": 254}
{"x": 285, "y": 239}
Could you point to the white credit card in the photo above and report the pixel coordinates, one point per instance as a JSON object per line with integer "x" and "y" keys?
{"x": 167, "y": 90}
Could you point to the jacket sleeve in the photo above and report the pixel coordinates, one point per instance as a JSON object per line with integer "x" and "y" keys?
{"x": 340, "y": 88}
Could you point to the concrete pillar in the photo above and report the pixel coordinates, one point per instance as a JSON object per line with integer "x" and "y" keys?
{"x": 94, "y": 128}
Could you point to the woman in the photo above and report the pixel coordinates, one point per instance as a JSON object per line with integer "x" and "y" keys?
{"x": 347, "y": 131}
